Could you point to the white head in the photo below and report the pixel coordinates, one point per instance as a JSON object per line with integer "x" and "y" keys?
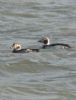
{"x": 16, "y": 46}
{"x": 45, "y": 40}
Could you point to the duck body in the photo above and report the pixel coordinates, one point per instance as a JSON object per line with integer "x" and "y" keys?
{"x": 56, "y": 44}
{"x": 19, "y": 51}
{"x": 25, "y": 50}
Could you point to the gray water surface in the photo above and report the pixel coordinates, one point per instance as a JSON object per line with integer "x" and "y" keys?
{"x": 49, "y": 74}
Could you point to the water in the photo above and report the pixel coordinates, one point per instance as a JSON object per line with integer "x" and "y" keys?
{"x": 49, "y": 74}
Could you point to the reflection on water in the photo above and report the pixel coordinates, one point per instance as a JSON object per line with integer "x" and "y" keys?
{"x": 49, "y": 74}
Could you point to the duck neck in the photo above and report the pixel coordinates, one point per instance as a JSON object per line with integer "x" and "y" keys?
{"x": 48, "y": 42}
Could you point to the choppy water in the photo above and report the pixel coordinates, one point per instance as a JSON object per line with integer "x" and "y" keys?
{"x": 49, "y": 74}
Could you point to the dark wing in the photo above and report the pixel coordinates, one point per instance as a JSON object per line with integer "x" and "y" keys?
{"x": 57, "y": 44}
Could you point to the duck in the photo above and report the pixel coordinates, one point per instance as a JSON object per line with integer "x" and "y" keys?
{"x": 17, "y": 48}
{"x": 47, "y": 44}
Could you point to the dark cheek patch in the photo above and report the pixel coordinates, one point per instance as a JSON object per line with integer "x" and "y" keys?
{"x": 45, "y": 41}
{"x": 18, "y": 47}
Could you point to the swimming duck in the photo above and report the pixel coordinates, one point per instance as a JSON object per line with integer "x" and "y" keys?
{"x": 46, "y": 43}
{"x": 17, "y": 48}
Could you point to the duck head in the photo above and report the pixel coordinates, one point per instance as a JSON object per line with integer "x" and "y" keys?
{"x": 16, "y": 46}
{"x": 45, "y": 40}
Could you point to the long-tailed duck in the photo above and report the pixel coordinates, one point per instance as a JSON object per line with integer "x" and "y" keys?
{"x": 17, "y": 48}
{"x": 46, "y": 43}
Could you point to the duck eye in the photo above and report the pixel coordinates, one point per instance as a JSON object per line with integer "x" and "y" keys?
{"x": 13, "y": 44}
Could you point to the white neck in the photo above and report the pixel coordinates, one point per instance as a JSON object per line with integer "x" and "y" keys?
{"x": 48, "y": 43}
